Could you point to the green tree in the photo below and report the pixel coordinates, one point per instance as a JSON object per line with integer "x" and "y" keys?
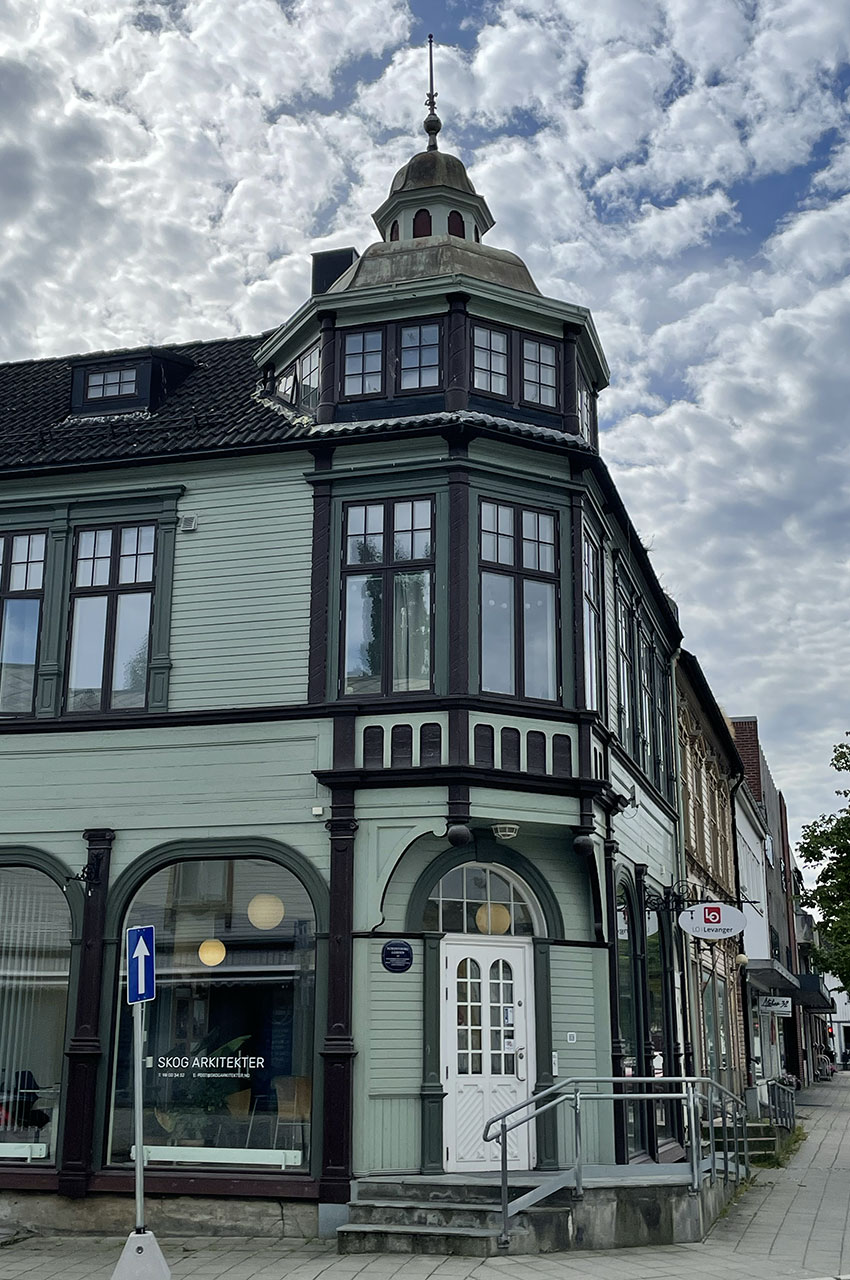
{"x": 825, "y": 844}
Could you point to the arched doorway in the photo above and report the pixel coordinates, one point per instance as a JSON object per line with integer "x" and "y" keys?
{"x": 488, "y": 918}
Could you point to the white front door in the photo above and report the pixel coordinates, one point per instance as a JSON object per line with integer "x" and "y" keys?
{"x": 488, "y": 1051}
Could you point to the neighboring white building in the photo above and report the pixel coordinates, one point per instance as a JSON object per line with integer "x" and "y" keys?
{"x": 753, "y": 840}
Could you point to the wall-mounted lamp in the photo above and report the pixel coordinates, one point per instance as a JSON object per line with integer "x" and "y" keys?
{"x": 505, "y": 830}
{"x": 742, "y": 959}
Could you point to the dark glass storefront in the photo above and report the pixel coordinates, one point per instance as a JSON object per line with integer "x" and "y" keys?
{"x": 228, "y": 1068}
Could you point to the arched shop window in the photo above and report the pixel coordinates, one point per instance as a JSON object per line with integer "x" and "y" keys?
{"x": 229, "y": 1038}
{"x": 478, "y": 899}
{"x": 35, "y": 959}
{"x": 629, "y": 1009}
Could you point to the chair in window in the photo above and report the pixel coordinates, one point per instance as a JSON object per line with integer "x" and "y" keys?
{"x": 294, "y": 1103}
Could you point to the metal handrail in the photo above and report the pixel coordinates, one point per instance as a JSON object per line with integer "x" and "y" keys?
{"x": 713, "y": 1095}
{"x": 781, "y": 1104}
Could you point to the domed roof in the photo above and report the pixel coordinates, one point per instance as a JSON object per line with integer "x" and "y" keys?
{"x": 396, "y": 261}
{"x": 432, "y": 169}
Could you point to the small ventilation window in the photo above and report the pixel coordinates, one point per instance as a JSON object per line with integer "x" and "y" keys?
{"x": 456, "y": 225}
{"x": 394, "y": 230}
{"x": 106, "y": 383}
{"x": 477, "y": 236}
{"x": 421, "y": 224}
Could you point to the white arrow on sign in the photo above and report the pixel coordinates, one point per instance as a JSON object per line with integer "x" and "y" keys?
{"x": 141, "y": 953}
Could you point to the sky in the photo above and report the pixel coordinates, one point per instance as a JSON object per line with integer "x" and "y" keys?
{"x": 682, "y": 167}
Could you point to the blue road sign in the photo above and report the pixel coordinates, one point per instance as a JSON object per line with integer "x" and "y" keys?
{"x": 141, "y": 978}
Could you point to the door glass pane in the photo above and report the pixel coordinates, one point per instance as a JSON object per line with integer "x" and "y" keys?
{"x": 130, "y": 664}
{"x": 35, "y": 955}
{"x": 538, "y": 601}
{"x": 363, "y": 643}
{"x": 229, "y": 1038}
{"x": 469, "y": 1030}
{"x": 497, "y": 633}
{"x": 411, "y": 631}
{"x": 18, "y": 646}
{"x": 87, "y": 641}
{"x": 502, "y": 1042}
{"x": 661, "y": 1065}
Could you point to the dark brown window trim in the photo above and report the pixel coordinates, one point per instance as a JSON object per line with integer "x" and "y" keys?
{"x": 113, "y": 590}
{"x": 248, "y": 1183}
{"x": 385, "y": 330}
{"x": 557, "y": 409}
{"x": 420, "y": 322}
{"x": 387, "y": 568}
{"x": 476, "y": 322}
{"x": 518, "y": 573}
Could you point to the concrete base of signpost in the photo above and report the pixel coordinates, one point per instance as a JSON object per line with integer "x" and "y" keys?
{"x": 142, "y": 1259}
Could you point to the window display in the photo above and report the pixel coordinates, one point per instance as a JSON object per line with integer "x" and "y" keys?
{"x": 35, "y": 957}
{"x": 228, "y": 1068}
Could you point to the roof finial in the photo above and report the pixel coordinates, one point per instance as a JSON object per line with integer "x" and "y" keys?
{"x": 433, "y": 123}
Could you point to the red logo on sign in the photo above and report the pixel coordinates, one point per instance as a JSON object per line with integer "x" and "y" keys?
{"x": 711, "y": 915}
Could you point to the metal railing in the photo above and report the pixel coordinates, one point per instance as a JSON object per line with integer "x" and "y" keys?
{"x": 781, "y": 1104}
{"x": 703, "y": 1101}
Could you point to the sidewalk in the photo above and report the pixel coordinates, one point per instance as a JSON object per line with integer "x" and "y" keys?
{"x": 793, "y": 1225}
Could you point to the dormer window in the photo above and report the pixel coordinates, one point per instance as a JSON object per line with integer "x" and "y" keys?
{"x": 106, "y": 383}
{"x": 363, "y": 363}
{"x": 308, "y": 379}
{"x": 539, "y": 365}
{"x": 420, "y": 356}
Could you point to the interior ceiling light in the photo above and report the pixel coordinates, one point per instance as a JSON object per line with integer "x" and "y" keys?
{"x": 265, "y": 911}
{"x": 211, "y": 952}
{"x": 493, "y": 917}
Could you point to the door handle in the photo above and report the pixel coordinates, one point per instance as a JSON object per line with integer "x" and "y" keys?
{"x": 520, "y": 1057}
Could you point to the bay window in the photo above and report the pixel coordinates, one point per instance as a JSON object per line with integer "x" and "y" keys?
{"x": 387, "y": 591}
{"x": 518, "y": 601}
{"x": 21, "y": 590}
{"x": 592, "y": 591}
{"x": 420, "y": 356}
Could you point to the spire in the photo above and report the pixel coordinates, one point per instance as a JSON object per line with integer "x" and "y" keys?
{"x": 433, "y": 123}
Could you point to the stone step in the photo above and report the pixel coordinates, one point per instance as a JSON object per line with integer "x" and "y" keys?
{"x": 466, "y": 1242}
{"x": 428, "y": 1214}
{"x": 442, "y": 1191}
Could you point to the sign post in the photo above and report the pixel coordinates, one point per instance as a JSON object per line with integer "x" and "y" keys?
{"x": 142, "y": 1257}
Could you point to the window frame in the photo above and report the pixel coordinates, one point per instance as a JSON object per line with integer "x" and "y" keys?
{"x": 388, "y": 568}
{"x": 361, "y": 330}
{"x": 519, "y": 574}
{"x": 300, "y": 360}
{"x": 420, "y": 323}
{"x": 7, "y": 537}
{"x": 524, "y": 336}
{"x": 61, "y": 520}
{"x": 104, "y": 373}
{"x": 508, "y": 334}
{"x": 113, "y": 591}
{"x": 589, "y": 537}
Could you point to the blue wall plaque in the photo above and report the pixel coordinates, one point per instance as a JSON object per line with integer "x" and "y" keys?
{"x": 397, "y": 956}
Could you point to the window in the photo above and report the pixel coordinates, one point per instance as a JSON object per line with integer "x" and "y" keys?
{"x": 538, "y": 373}
{"x": 110, "y": 382}
{"x": 490, "y": 360}
{"x": 387, "y": 609}
{"x": 21, "y": 589}
{"x": 363, "y": 363}
{"x": 456, "y": 225}
{"x": 287, "y": 384}
{"x": 592, "y": 587}
{"x": 476, "y": 899}
{"x": 111, "y": 594}
{"x": 394, "y": 230}
{"x": 229, "y": 1038}
{"x": 35, "y": 960}
{"x": 646, "y": 705}
{"x": 519, "y": 602}
{"x": 421, "y": 224}
{"x": 420, "y": 356}
{"x": 625, "y": 673}
{"x": 585, "y": 408}
{"x": 662, "y": 734}
{"x": 308, "y": 379}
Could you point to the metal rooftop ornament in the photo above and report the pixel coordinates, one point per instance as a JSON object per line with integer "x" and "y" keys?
{"x": 433, "y": 123}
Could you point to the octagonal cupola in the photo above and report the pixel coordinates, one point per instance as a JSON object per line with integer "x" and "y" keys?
{"x": 432, "y": 195}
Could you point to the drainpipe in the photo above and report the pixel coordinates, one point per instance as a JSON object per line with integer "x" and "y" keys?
{"x": 684, "y": 948}
{"x": 743, "y": 984}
